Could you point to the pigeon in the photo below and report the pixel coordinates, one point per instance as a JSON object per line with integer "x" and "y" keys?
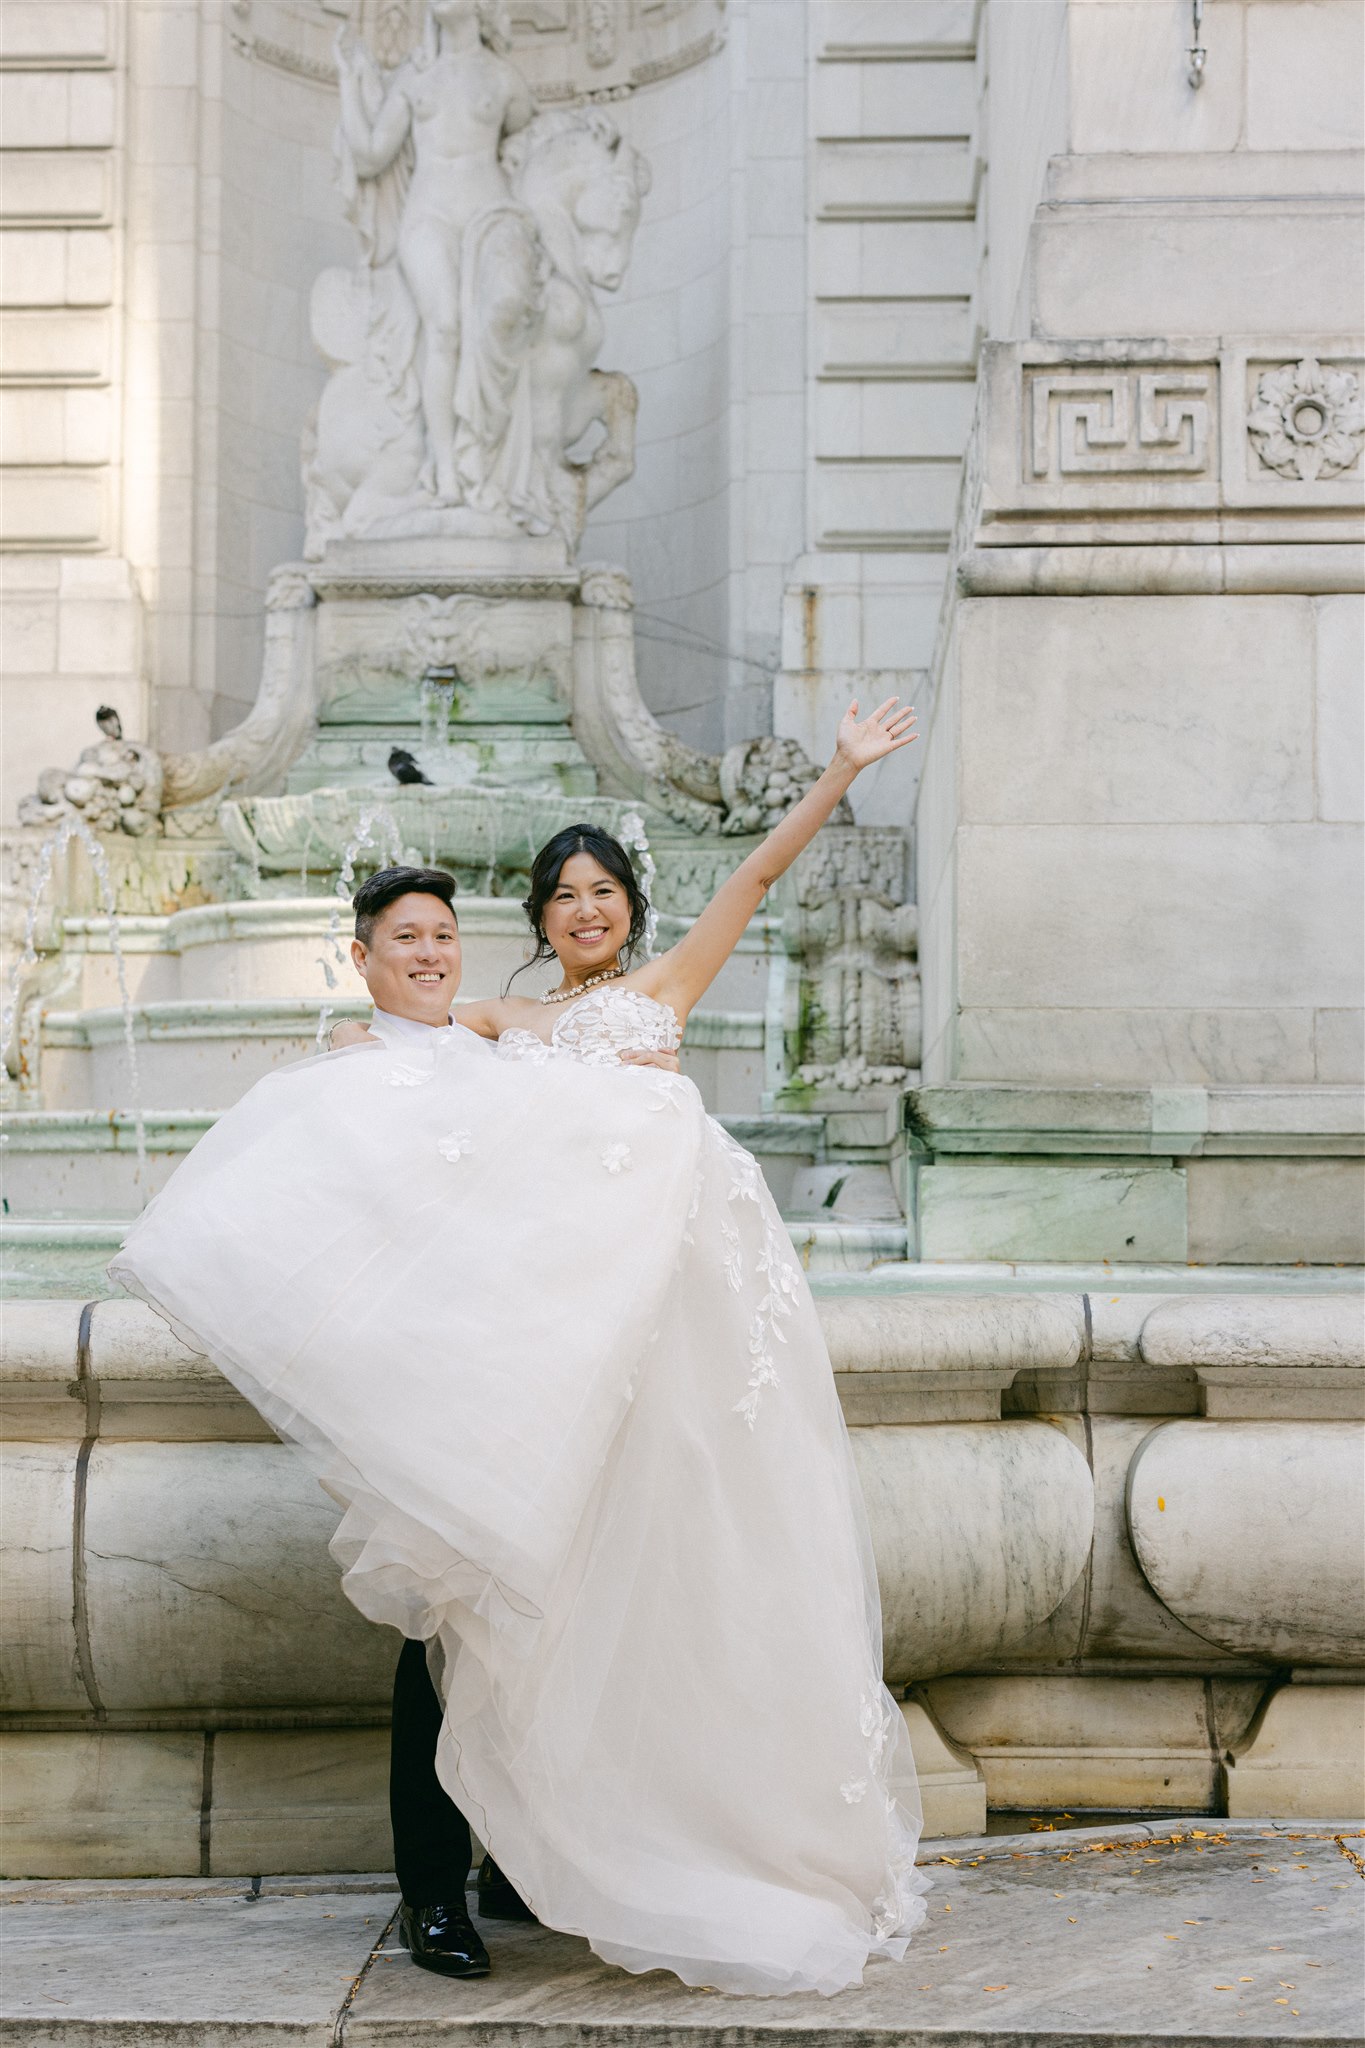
{"x": 404, "y": 769}
{"x": 109, "y": 722}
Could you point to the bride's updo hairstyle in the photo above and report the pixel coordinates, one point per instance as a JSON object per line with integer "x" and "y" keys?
{"x": 546, "y": 869}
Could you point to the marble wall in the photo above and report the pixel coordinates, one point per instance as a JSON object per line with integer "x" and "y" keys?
{"x": 1138, "y": 826}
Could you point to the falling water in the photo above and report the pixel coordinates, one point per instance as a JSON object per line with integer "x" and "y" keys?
{"x": 438, "y": 701}
{"x": 490, "y": 812}
{"x": 633, "y": 834}
{"x": 372, "y": 817}
{"x": 68, "y": 828}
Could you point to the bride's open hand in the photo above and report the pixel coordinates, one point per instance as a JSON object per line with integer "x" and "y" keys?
{"x": 862, "y": 741}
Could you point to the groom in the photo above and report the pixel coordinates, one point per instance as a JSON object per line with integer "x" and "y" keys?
{"x": 407, "y": 952}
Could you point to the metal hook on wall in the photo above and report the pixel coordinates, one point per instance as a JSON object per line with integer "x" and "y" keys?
{"x": 1197, "y": 54}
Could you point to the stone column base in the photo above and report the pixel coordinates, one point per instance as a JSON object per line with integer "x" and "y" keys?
{"x": 1305, "y": 1758}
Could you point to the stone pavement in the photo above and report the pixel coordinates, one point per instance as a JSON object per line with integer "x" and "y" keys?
{"x": 1193, "y": 1931}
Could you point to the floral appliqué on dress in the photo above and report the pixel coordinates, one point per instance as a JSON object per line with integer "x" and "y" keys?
{"x": 455, "y": 1145}
{"x": 775, "y": 1264}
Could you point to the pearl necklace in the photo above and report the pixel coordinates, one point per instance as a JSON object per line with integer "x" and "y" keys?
{"x": 566, "y": 995}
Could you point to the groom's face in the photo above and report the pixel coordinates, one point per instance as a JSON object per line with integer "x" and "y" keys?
{"x": 412, "y": 964}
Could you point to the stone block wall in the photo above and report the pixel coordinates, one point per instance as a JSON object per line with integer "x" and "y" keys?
{"x": 1117, "y": 1542}
{"x": 1145, "y": 815}
{"x": 896, "y": 225}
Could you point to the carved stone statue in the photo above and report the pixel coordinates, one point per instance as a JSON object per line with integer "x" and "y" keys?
{"x": 115, "y": 786}
{"x": 462, "y": 346}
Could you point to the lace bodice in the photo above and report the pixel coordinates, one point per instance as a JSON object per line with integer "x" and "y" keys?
{"x": 600, "y": 1026}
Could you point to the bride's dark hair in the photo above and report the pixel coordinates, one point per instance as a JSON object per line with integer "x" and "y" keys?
{"x": 546, "y": 869}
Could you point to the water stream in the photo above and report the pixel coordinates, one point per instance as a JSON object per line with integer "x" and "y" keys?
{"x": 68, "y": 828}
{"x": 372, "y": 818}
{"x": 437, "y": 703}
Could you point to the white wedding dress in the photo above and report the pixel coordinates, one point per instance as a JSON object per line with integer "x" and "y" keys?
{"x": 536, "y": 1322}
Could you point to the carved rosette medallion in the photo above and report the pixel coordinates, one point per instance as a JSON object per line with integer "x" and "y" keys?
{"x": 1306, "y": 420}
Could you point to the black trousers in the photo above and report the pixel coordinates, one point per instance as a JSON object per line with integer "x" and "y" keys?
{"x": 431, "y": 1846}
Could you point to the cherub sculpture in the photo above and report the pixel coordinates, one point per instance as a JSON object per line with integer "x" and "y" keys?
{"x": 115, "y": 786}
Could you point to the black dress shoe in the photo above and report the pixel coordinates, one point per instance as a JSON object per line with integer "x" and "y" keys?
{"x": 499, "y": 1898}
{"x": 443, "y": 1938}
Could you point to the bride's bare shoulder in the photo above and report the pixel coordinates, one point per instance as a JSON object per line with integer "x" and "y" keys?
{"x": 495, "y": 1014}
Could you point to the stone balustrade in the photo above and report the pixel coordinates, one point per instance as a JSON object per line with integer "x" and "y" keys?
{"x": 1118, "y": 1543}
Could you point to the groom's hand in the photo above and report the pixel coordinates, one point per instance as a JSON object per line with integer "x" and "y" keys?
{"x": 348, "y": 1032}
{"x": 667, "y": 1060}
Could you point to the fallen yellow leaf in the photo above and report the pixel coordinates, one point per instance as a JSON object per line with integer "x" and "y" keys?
{"x": 995, "y": 1987}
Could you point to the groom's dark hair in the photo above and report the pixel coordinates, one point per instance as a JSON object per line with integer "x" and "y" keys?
{"x": 373, "y": 898}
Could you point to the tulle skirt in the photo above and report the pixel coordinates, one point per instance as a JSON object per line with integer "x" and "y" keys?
{"x": 538, "y": 1328}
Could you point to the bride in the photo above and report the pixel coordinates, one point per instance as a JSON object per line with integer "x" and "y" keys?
{"x": 535, "y": 1320}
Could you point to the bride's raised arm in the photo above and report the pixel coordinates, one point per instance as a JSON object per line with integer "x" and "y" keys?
{"x": 681, "y": 976}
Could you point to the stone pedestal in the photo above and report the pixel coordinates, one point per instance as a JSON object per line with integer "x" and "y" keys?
{"x": 1138, "y": 825}
{"x": 1305, "y": 1756}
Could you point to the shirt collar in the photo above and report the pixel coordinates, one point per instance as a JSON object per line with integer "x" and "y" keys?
{"x": 386, "y": 1025}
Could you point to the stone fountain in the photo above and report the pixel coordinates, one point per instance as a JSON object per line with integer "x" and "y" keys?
{"x": 1117, "y": 1516}
{"x": 445, "y": 679}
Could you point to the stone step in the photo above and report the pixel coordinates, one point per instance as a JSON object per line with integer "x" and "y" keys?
{"x": 66, "y": 1255}
{"x": 83, "y": 1163}
{"x": 277, "y": 947}
{"x": 1190, "y": 1930}
{"x": 894, "y": 259}
{"x": 213, "y": 1050}
{"x": 1104, "y": 1279}
{"x": 901, "y": 180}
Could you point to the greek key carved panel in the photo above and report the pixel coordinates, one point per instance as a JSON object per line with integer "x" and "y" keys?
{"x": 1119, "y": 421}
